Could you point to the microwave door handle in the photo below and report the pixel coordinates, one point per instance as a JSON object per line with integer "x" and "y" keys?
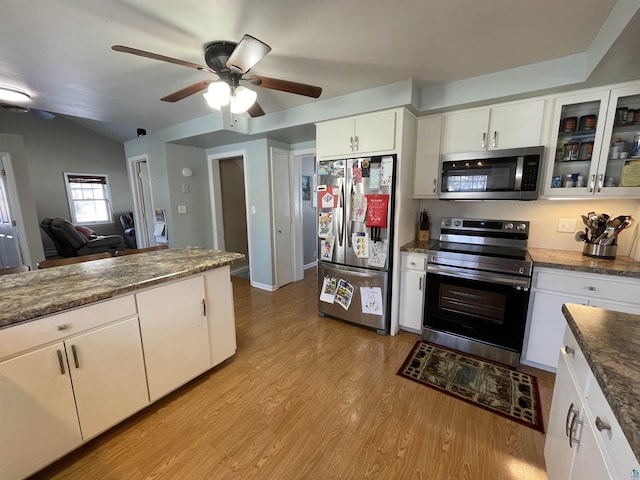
{"x": 517, "y": 184}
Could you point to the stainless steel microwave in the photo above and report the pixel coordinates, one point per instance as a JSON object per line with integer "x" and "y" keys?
{"x": 512, "y": 174}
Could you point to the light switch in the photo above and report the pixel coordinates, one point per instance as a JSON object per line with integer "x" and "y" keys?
{"x": 182, "y": 209}
{"x": 253, "y": 209}
{"x": 185, "y": 188}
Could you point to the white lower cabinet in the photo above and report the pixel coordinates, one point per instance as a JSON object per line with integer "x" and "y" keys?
{"x": 412, "y": 284}
{"x": 551, "y": 288}
{"x": 55, "y": 398}
{"x": 175, "y": 334}
{"x": 38, "y": 419}
{"x": 584, "y": 439}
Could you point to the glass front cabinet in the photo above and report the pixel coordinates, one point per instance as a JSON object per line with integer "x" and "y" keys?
{"x": 595, "y": 145}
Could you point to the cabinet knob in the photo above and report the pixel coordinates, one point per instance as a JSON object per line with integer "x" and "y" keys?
{"x": 602, "y": 425}
{"x": 413, "y": 264}
{"x": 591, "y": 289}
{"x": 568, "y": 350}
{"x": 63, "y": 326}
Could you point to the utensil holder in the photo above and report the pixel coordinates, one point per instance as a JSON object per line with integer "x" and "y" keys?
{"x": 599, "y": 251}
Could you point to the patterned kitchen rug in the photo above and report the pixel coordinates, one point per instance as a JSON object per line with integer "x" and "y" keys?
{"x": 488, "y": 385}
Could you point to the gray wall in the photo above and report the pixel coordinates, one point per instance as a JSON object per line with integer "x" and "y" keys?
{"x": 309, "y": 214}
{"x": 54, "y": 146}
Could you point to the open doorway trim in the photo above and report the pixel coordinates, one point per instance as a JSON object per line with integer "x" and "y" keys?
{"x": 142, "y": 231}
{"x": 14, "y": 203}
{"x": 215, "y": 191}
{"x": 296, "y": 171}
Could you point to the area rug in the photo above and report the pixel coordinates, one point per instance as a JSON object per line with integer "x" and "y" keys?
{"x": 488, "y": 385}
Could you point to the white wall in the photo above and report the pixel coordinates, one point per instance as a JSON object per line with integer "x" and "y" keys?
{"x": 543, "y": 215}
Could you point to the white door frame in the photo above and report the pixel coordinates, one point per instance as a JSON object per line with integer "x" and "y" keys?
{"x": 215, "y": 192}
{"x": 142, "y": 231}
{"x": 296, "y": 174}
{"x": 14, "y": 207}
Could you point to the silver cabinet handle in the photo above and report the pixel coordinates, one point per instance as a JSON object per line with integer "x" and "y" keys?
{"x": 420, "y": 284}
{"x": 204, "y": 307}
{"x": 351, "y": 143}
{"x": 569, "y": 351}
{"x": 61, "y": 362}
{"x": 75, "y": 356}
{"x": 566, "y": 422}
{"x": 602, "y": 425}
{"x": 600, "y": 182}
{"x": 572, "y": 430}
{"x": 435, "y": 185}
{"x": 357, "y": 144}
{"x": 63, "y": 326}
{"x": 495, "y": 139}
{"x": 484, "y": 140}
{"x": 592, "y": 184}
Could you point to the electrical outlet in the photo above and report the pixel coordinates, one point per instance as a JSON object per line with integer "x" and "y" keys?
{"x": 182, "y": 209}
{"x": 567, "y": 225}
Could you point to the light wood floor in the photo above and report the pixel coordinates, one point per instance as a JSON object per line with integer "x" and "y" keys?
{"x": 307, "y": 397}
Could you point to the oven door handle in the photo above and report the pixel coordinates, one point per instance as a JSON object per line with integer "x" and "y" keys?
{"x": 487, "y": 277}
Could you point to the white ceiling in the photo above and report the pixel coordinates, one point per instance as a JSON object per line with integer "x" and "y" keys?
{"x": 60, "y": 51}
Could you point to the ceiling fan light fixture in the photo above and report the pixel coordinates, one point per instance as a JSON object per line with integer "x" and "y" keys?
{"x": 242, "y": 100}
{"x": 12, "y": 94}
{"x": 218, "y": 94}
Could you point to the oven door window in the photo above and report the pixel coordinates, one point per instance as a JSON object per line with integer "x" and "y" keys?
{"x": 492, "y": 175}
{"x": 488, "y": 312}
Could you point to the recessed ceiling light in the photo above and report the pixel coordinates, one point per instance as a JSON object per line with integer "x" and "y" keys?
{"x": 11, "y": 94}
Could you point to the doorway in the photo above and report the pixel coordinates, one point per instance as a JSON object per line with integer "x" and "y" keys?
{"x": 11, "y": 253}
{"x": 234, "y": 206}
{"x": 143, "y": 214}
{"x": 281, "y": 201}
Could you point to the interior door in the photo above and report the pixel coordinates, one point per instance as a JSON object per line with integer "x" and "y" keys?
{"x": 10, "y": 254}
{"x": 282, "y": 218}
{"x": 143, "y": 211}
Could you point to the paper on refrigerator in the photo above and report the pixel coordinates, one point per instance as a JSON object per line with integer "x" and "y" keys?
{"x": 360, "y": 244}
{"x": 328, "y": 292}
{"x": 371, "y": 299}
{"x": 344, "y": 294}
{"x": 378, "y": 254}
{"x": 325, "y": 224}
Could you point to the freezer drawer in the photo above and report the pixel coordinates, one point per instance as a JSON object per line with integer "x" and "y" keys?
{"x": 376, "y": 299}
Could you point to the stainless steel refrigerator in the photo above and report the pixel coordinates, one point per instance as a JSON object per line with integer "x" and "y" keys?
{"x": 355, "y": 200}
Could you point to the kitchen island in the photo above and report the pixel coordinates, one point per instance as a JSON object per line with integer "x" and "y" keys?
{"x": 594, "y": 423}
{"x": 84, "y": 346}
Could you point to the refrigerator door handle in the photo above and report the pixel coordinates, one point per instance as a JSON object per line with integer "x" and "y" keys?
{"x": 342, "y": 215}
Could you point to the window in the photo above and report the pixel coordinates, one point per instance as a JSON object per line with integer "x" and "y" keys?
{"x": 89, "y": 199}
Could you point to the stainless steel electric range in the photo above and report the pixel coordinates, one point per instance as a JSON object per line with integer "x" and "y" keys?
{"x": 477, "y": 289}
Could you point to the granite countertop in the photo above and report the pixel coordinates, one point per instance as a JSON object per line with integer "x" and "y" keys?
{"x": 566, "y": 260}
{"x": 610, "y": 342}
{"x": 417, "y": 246}
{"x": 29, "y": 295}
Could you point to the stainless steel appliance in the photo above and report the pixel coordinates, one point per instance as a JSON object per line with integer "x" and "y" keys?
{"x": 355, "y": 219}
{"x": 477, "y": 293}
{"x": 512, "y": 174}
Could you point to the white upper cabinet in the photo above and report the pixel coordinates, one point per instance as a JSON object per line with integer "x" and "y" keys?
{"x": 511, "y": 125}
{"x": 425, "y": 180}
{"x": 592, "y": 145}
{"x": 374, "y": 133}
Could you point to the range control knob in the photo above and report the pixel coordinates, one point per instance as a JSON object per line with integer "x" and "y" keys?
{"x": 508, "y": 226}
{"x": 522, "y": 226}
{"x": 457, "y": 223}
{"x": 447, "y": 223}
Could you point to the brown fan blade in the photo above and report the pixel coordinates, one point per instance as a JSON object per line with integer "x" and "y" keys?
{"x": 255, "y": 110}
{"x": 187, "y": 91}
{"x": 162, "y": 58}
{"x": 246, "y": 54}
{"x": 286, "y": 86}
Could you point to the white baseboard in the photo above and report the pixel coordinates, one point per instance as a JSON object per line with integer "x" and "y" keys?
{"x": 311, "y": 265}
{"x": 262, "y": 286}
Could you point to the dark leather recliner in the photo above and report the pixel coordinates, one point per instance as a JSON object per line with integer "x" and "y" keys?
{"x": 126, "y": 220}
{"x": 70, "y": 242}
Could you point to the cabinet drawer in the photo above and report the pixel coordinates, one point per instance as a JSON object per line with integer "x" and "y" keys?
{"x": 414, "y": 261}
{"x": 576, "y": 360}
{"x": 55, "y": 327}
{"x": 613, "y": 441}
{"x": 589, "y": 285}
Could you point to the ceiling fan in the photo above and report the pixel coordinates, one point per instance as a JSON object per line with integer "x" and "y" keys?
{"x": 229, "y": 62}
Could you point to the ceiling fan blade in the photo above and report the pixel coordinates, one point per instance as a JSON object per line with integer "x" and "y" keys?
{"x": 162, "y": 58}
{"x": 286, "y": 86}
{"x": 247, "y": 53}
{"x": 255, "y": 110}
{"x": 187, "y": 91}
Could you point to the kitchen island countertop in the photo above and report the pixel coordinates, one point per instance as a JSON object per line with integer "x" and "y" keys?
{"x": 610, "y": 342}
{"x": 29, "y": 295}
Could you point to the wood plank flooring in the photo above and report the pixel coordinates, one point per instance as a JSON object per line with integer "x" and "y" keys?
{"x": 307, "y": 397}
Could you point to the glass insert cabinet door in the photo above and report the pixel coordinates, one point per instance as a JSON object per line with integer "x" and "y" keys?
{"x": 597, "y": 145}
